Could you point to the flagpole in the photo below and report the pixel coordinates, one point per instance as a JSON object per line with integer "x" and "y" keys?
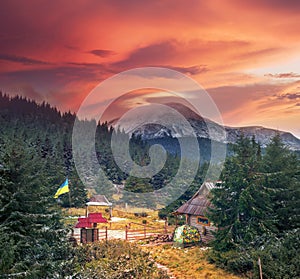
{"x": 70, "y": 201}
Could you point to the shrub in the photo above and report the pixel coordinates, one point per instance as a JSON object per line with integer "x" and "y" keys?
{"x": 279, "y": 258}
{"x": 233, "y": 261}
{"x": 140, "y": 214}
{"x": 115, "y": 259}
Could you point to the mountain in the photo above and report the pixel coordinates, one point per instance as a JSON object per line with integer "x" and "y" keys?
{"x": 263, "y": 135}
{"x": 158, "y": 124}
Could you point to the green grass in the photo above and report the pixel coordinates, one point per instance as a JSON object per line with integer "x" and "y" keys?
{"x": 188, "y": 263}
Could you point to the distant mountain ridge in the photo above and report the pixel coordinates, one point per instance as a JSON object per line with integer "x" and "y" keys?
{"x": 263, "y": 135}
{"x": 151, "y": 128}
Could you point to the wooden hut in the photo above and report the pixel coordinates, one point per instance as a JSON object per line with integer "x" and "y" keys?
{"x": 101, "y": 204}
{"x": 195, "y": 211}
{"x": 86, "y": 227}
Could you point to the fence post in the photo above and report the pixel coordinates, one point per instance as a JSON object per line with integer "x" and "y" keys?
{"x": 126, "y": 232}
{"x": 166, "y": 225}
{"x": 260, "y": 269}
{"x": 106, "y": 234}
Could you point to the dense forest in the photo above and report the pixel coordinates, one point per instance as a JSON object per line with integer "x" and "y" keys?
{"x": 49, "y": 133}
{"x": 34, "y": 161}
{"x": 45, "y": 134}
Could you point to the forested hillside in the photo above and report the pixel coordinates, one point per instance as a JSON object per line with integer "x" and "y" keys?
{"x": 33, "y": 163}
{"x": 45, "y": 132}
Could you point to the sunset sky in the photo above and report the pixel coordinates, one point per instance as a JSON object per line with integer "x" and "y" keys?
{"x": 246, "y": 54}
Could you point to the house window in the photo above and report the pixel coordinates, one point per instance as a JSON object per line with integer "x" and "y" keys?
{"x": 202, "y": 220}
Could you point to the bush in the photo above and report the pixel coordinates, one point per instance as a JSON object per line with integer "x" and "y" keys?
{"x": 279, "y": 258}
{"x": 115, "y": 259}
{"x": 140, "y": 214}
{"x": 233, "y": 261}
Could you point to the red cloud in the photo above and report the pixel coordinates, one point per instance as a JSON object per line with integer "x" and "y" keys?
{"x": 284, "y": 75}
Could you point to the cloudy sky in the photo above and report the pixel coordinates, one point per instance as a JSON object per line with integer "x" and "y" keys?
{"x": 246, "y": 54}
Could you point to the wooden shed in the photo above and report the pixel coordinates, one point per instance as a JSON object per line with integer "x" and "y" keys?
{"x": 195, "y": 211}
{"x": 87, "y": 227}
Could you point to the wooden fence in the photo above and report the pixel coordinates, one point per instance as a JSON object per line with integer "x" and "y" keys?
{"x": 102, "y": 234}
{"x": 144, "y": 232}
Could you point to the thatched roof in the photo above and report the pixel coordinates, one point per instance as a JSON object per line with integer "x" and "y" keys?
{"x": 199, "y": 203}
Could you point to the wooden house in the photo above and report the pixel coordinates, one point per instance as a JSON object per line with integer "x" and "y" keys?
{"x": 195, "y": 211}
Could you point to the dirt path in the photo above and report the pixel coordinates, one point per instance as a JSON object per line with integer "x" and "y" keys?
{"x": 166, "y": 269}
{"x": 116, "y": 234}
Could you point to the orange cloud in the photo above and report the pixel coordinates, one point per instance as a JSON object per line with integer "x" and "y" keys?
{"x": 60, "y": 50}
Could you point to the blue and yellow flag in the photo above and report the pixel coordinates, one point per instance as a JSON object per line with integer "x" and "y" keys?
{"x": 64, "y": 188}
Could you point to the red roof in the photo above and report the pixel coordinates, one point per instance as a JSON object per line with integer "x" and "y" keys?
{"x": 83, "y": 223}
{"x": 96, "y": 218}
{"x": 86, "y": 222}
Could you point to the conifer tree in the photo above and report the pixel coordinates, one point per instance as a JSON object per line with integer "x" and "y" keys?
{"x": 30, "y": 225}
{"x": 282, "y": 172}
{"x": 241, "y": 206}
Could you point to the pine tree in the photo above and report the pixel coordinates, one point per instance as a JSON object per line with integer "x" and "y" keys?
{"x": 7, "y": 247}
{"x": 241, "y": 206}
{"x": 282, "y": 171}
{"x": 30, "y": 225}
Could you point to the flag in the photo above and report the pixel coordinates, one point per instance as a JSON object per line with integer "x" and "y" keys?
{"x": 64, "y": 188}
